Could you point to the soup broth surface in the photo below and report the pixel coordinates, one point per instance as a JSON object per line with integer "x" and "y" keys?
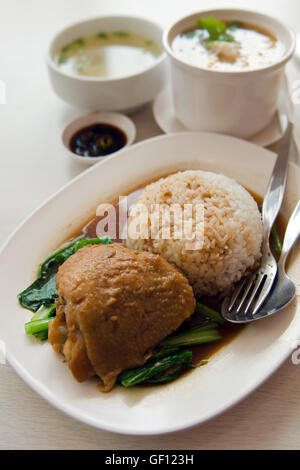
{"x": 252, "y": 48}
{"x": 110, "y": 55}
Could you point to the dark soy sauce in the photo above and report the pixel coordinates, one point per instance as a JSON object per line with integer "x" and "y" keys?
{"x": 97, "y": 140}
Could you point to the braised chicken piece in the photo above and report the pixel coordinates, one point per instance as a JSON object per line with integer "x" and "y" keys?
{"x": 115, "y": 306}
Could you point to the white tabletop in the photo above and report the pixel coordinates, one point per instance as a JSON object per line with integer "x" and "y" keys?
{"x": 33, "y": 165}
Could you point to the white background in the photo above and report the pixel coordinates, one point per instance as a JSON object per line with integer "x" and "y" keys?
{"x": 33, "y": 165}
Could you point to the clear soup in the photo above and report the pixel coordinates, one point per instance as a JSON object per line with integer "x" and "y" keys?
{"x": 108, "y": 54}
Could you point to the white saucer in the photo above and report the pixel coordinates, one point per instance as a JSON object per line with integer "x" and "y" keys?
{"x": 164, "y": 114}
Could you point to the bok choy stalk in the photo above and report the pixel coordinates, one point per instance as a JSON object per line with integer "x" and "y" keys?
{"x": 197, "y": 335}
{"x": 210, "y": 313}
{"x": 170, "y": 361}
{"x": 38, "y": 325}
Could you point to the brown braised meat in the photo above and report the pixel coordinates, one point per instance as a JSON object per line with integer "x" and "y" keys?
{"x": 115, "y": 306}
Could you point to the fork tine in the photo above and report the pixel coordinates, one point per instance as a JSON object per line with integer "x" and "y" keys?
{"x": 260, "y": 279}
{"x": 250, "y": 293}
{"x": 246, "y": 292}
{"x": 264, "y": 293}
{"x": 236, "y": 293}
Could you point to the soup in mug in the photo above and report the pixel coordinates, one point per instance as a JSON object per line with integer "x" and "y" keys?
{"x": 231, "y": 47}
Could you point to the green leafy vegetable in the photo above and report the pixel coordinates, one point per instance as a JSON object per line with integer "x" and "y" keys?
{"x": 102, "y": 35}
{"x": 174, "y": 375}
{"x": 217, "y": 30}
{"x": 209, "y": 313}
{"x": 40, "y": 292}
{"x": 43, "y": 290}
{"x": 38, "y": 325}
{"x": 55, "y": 259}
{"x": 214, "y": 27}
{"x": 78, "y": 42}
{"x": 39, "y": 297}
{"x": 75, "y": 45}
{"x": 65, "y": 48}
{"x": 170, "y": 361}
{"x": 196, "y": 335}
{"x": 157, "y": 371}
{"x": 165, "y": 365}
{"x": 121, "y": 34}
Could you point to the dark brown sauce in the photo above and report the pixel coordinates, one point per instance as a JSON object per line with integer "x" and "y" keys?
{"x": 228, "y": 331}
{"x": 203, "y": 352}
{"x": 91, "y": 228}
{"x": 97, "y": 140}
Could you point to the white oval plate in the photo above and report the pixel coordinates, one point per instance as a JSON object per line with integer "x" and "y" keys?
{"x": 231, "y": 374}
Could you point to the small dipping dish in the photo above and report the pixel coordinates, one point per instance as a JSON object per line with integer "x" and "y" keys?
{"x": 94, "y": 136}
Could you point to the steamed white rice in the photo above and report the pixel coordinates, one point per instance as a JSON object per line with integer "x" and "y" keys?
{"x": 232, "y": 234}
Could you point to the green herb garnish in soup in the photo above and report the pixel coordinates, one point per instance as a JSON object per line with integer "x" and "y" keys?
{"x": 112, "y": 54}
{"x": 227, "y": 46}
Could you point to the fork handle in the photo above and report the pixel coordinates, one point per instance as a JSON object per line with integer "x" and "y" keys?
{"x": 292, "y": 234}
{"x": 276, "y": 188}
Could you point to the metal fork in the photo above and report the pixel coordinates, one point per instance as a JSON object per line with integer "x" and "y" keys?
{"x": 251, "y": 292}
{"x": 287, "y": 114}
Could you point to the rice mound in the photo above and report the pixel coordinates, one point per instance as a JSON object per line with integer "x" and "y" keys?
{"x": 232, "y": 229}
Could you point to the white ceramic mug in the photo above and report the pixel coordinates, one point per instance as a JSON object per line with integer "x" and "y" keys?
{"x": 235, "y": 103}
